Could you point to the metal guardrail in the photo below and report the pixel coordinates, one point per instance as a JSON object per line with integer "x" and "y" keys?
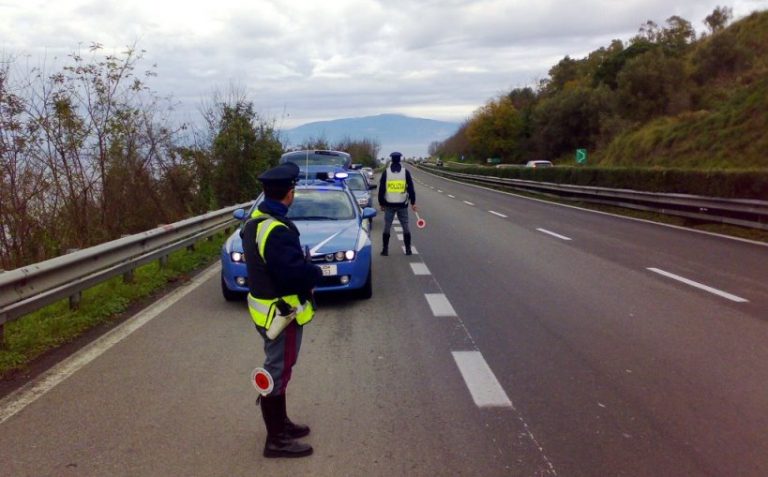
{"x": 743, "y": 212}
{"x": 29, "y": 288}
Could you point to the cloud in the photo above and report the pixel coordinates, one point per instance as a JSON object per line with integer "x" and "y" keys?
{"x": 311, "y": 60}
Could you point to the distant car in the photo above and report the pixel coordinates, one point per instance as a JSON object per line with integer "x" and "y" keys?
{"x": 332, "y": 228}
{"x": 368, "y": 171}
{"x": 318, "y": 161}
{"x": 361, "y": 188}
{"x": 539, "y": 164}
{"x": 439, "y": 163}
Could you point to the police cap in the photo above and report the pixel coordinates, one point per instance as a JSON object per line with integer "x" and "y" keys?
{"x": 285, "y": 174}
{"x": 395, "y": 156}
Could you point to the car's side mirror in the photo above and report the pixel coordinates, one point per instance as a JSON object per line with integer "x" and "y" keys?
{"x": 369, "y": 212}
{"x": 239, "y": 214}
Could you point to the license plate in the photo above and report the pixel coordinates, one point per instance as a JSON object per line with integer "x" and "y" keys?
{"x": 328, "y": 270}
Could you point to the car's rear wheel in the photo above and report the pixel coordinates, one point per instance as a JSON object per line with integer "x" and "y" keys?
{"x": 367, "y": 291}
{"x": 230, "y": 295}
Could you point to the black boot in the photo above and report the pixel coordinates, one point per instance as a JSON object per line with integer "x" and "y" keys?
{"x": 407, "y": 241}
{"x": 385, "y": 249}
{"x": 279, "y": 444}
{"x": 290, "y": 429}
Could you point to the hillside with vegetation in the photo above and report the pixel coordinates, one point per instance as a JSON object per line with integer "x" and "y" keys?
{"x": 668, "y": 98}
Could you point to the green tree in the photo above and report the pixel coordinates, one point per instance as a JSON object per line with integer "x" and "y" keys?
{"x": 718, "y": 19}
{"x": 496, "y": 130}
{"x": 652, "y": 84}
{"x": 244, "y": 146}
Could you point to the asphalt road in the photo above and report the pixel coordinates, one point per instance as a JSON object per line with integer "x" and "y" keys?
{"x": 523, "y": 339}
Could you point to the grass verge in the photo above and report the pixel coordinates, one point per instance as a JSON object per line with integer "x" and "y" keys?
{"x": 54, "y": 325}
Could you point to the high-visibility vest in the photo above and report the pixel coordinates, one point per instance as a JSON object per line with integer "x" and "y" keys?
{"x": 263, "y": 310}
{"x": 396, "y": 192}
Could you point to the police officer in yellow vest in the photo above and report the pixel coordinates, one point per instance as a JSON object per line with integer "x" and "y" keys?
{"x": 281, "y": 281}
{"x": 395, "y": 193}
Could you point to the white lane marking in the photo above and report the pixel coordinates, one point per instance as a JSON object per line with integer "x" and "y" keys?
{"x": 420, "y": 268}
{"x": 26, "y": 395}
{"x": 439, "y": 304}
{"x": 701, "y": 286}
{"x": 398, "y": 230}
{"x": 413, "y": 250}
{"x": 634, "y": 219}
{"x": 400, "y": 237}
{"x": 498, "y": 214}
{"x": 469, "y": 203}
{"x": 562, "y": 237}
{"x": 480, "y": 380}
{"x": 451, "y": 196}
{"x": 439, "y": 191}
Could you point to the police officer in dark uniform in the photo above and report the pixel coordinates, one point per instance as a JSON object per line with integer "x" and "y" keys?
{"x": 280, "y": 280}
{"x": 396, "y": 191}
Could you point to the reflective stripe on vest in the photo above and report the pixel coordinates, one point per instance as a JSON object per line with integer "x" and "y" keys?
{"x": 263, "y": 310}
{"x": 396, "y": 187}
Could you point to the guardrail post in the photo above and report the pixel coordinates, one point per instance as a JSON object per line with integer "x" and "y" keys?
{"x": 163, "y": 262}
{"x": 128, "y": 276}
{"x": 74, "y": 301}
{"x": 2, "y": 335}
{"x": 191, "y": 247}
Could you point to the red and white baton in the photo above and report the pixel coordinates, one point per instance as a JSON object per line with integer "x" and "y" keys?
{"x": 420, "y": 223}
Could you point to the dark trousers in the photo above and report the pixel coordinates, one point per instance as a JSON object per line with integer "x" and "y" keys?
{"x": 281, "y": 354}
{"x": 402, "y": 216}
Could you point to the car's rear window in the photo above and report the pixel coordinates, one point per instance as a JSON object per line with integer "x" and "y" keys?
{"x": 356, "y": 182}
{"x": 313, "y": 204}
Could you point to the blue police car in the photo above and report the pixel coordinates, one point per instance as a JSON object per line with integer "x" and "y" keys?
{"x": 333, "y": 230}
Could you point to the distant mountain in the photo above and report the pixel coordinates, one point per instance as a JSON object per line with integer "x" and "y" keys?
{"x": 395, "y": 132}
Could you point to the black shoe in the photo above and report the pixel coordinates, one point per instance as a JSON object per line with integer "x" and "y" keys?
{"x": 284, "y": 446}
{"x": 384, "y": 253}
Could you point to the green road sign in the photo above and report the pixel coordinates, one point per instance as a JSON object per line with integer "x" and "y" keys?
{"x": 581, "y": 156}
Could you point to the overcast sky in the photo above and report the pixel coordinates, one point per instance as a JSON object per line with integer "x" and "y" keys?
{"x": 303, "y": 61}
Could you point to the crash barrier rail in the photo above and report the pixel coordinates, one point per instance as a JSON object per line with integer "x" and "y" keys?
{"x": 743, "y": 212}
{"x": 32, "y": 287}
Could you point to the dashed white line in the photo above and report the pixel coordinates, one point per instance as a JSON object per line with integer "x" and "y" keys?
{"x": 480, "y": 380}
{"x": 398, "y": 229}
{"x": 420, "y": 268}
{"x": 400, "y": 237}
{"x": 469, "y": 203}
{"x": 451, "y": 196}
{"x": 439, "y": 191}
{"x": 700, "y": 286}
{"x": 549, "y": 232}
{"x": 498, "y": 214}
{"x": 439, "y": 304}
{"x": 413, "y": 250}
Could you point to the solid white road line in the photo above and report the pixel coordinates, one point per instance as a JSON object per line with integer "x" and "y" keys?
{"x": 420, "y": 268}
{"x": 498, "y": 214}
{"x": 469, "y": 203}
{"x": 29, "y": 393}
{"x": 400, "y": 237}
{"x": 721, "y": 293}
{"x": 480, "y": 380}
{"x": 413, "y": 250}
{"x": 439, "y": 304}
{"x": 451, "y": 196}
{"x": 562, "y": 237}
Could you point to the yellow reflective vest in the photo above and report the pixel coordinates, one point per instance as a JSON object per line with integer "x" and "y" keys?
{"x": 263, "y": 310}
